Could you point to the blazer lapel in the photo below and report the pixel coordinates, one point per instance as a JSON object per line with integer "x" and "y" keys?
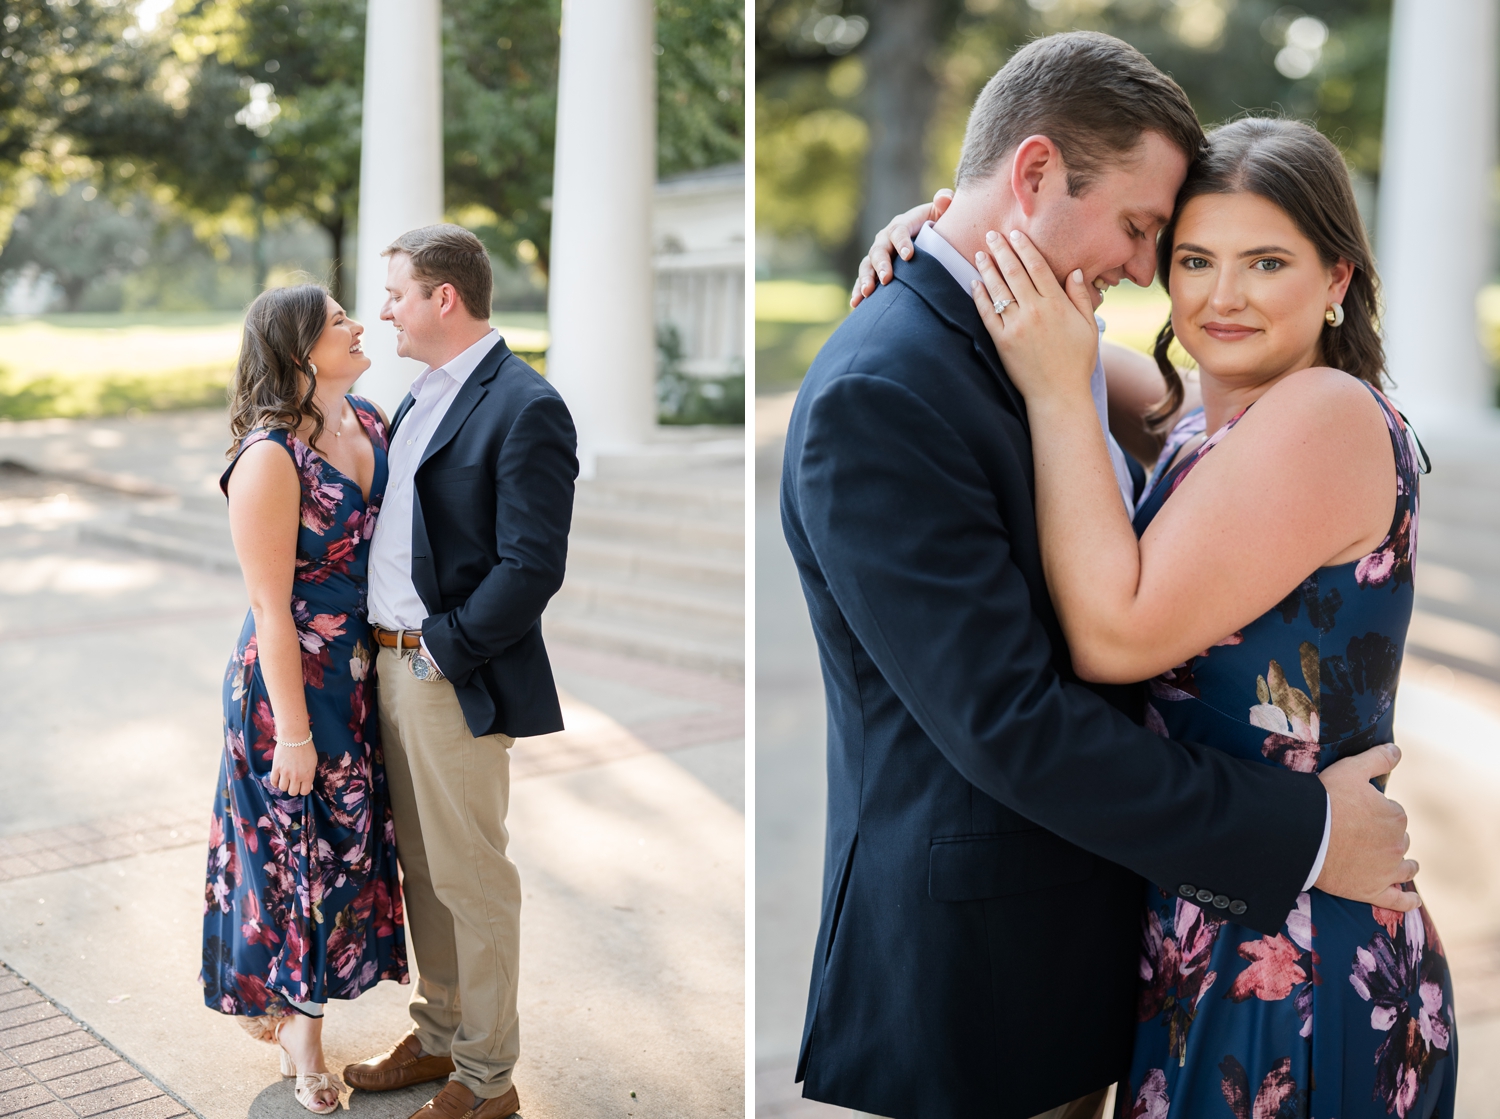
{"x": 936, "y": 287}
{"x": 470, "y": 395}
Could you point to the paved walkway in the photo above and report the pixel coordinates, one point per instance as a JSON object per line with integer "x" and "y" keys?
{"x": 628, "y": 829}
{"x": 1449, "y": 781}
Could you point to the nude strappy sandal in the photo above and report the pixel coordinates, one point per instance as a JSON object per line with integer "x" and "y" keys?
{"x": 307, "y": 1087}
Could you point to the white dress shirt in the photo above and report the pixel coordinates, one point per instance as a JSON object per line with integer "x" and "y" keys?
{"x": 933, "y": 243}
{"x": 394, "y": 602}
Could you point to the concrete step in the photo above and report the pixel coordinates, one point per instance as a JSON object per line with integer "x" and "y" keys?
{"x": 147, "y": 541}
{"x": 1466, "y": 548}
{"x": 184, "y": 522}
{"x": 724, "y": 655}
{"x": 595, "y": 559}
{"x": 1474, "y": 505}
{"x": 714, "y": 457}
{"x": 656, "y": 531}
{"x": 708, "y": 613}
{"x": 720, "y": 504}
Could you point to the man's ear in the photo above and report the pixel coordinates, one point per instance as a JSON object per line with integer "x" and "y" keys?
{"x": 448, "y": 300}
{"x": 1035, "y": 161}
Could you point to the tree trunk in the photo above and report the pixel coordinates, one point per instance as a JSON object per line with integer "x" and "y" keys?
{"x": 73, "y": 288}
{"x": 900, "y": 94}
{"x": 335, "y": 227}
{"x": 258, "y": 249}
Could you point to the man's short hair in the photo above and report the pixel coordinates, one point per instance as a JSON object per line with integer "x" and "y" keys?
{"x": 1091, "y": 94}
{"x": 449, "y": 254}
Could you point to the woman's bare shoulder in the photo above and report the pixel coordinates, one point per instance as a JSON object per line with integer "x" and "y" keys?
{"x": 264, "y": 465}
{"x": 1328, "y": 407}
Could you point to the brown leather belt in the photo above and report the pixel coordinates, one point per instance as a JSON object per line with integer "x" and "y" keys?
{"x": 410, "y": 639}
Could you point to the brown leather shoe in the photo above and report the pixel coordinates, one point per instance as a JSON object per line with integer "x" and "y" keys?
{"x": 403, "y": 1066}
{"x": 456, "y": 1102}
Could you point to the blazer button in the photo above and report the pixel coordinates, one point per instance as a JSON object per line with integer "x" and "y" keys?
{"x": 1221, "y": 902}
{"x": 1205, "y": 896}
{"x": 1237, "y": 907}
{"x": 1186, "y": 890}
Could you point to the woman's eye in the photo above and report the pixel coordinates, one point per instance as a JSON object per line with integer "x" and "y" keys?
{"x": 1268, "y": 265}
{"x": 1194, "y": 263}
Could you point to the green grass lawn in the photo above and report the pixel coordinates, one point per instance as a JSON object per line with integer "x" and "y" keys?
{"x": 104, "y": 365}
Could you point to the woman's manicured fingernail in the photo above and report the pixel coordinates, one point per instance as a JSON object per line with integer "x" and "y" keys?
{"x": 992, "y": 236}
{"x": 978, "y": 258}
{"x": 1015, "y": 236}
{"x": 1078, "y": 275}
{"x": 974, "y": 287}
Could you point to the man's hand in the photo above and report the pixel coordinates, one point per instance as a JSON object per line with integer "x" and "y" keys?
{"x": 1367, "y": 842}
{"x": 896, "y": 238}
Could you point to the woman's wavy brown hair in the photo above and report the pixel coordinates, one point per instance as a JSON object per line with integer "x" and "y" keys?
{"x": 274, "y": 381}
{"x": 1294, "y": 166}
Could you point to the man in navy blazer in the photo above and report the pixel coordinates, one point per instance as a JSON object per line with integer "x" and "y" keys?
{"x": 470, "y": 545}
{"x": 990, "y": 817}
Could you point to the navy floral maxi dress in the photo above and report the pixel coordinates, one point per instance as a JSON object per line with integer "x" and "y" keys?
{"x": 1347, "y": 1012}
{"x": 302, "y": 902}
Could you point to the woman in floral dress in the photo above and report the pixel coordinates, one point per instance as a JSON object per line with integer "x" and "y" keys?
{"x": 1267, "y": 598}
{"x": 302, "y": 902}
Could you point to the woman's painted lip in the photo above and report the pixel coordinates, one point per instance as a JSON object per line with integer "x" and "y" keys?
{"x": 1228, "y": 332}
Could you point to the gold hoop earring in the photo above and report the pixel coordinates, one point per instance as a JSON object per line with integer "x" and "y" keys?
{"x": 1334, "y": 316}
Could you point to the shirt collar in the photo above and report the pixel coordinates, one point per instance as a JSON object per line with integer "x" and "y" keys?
{"x": 935, "y": 245}
{"x": 461, "y": 367}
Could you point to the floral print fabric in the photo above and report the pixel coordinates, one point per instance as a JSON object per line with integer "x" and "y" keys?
{"x": 302, "y": 901}
{"x": 1347, "y": 1012}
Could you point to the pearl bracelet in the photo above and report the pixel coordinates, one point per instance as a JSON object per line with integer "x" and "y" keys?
{"x": 293, "y": 745}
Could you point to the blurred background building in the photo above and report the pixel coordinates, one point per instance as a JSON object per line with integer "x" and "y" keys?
{"x": 860, "y": 111}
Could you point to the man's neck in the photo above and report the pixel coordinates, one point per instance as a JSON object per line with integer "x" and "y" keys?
{"x": 971, "y": 215}
{"x": 459, "y": 341}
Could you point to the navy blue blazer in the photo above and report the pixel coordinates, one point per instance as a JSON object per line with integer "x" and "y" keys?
{"x": 489, "y": 538}
{"x": 989, "y": 816}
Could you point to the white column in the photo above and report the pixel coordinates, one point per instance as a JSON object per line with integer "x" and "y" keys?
{"x": 400, "y": 169}
{"x": 600, "y": 302}
{"x": 1435, "y": 220}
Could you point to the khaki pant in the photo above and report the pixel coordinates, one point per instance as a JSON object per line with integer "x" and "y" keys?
{"x": 449, "y": 795}
{"x": 1090, "y": 1107}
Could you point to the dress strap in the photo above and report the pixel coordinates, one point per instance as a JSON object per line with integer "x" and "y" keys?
{"x": 281, "y": 438}
{"x": 1408, "y": 452}
{"x": 369, "y": 416}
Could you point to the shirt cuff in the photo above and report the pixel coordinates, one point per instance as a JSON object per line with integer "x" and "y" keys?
{"x": 1317, "y": 867}
{"x": 422, "y": 642}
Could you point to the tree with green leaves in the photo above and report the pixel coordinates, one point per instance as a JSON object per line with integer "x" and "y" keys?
{"x": 862, "y": 103}
{"x": 243, "y": 108}
{"x": 247, "y": 108}
{"x": 44, "y": 47}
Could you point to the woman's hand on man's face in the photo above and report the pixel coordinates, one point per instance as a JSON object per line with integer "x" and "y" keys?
{"x": 895, "y": 238}
{"x": 1046, "y": 334}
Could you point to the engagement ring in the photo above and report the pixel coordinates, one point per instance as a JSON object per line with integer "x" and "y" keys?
{"x": 1001, "y": 304}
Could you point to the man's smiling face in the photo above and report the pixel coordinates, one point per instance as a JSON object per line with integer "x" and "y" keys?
{"x": 416, "y": 316}
{"x": 1109, "y": 231}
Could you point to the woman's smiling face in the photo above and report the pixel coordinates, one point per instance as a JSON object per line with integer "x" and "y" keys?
{"x": 1249, "y": 291}
{"x": 337, "y": 353}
